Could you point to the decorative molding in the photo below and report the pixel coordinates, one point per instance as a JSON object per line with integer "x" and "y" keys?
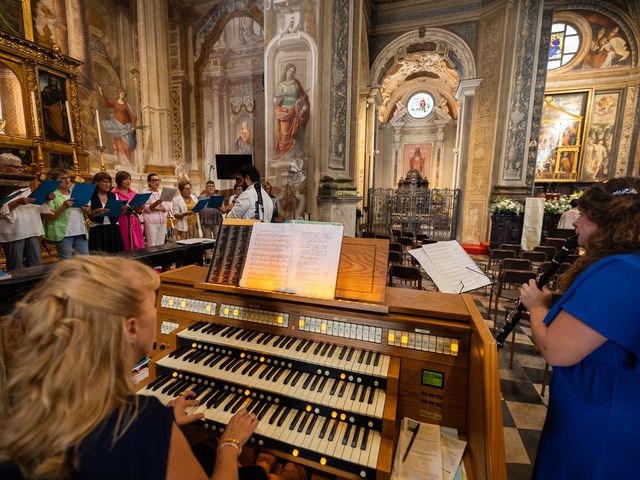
{"x": 176, "y": 110}
{"x": 454, "y": 8}
{"x": 338, "y": 96}
{"x": 538, "y": 95}
{"x": 626, "y": 133}
{"x": 519, "y": 109}
{"x": 29, "y": 50}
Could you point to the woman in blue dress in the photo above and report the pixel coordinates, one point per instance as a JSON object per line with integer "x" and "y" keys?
{"x": 591, "y": 336}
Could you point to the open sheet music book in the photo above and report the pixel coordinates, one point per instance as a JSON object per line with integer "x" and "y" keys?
{"x": 450, "y": 267}
{"x": 294, "y": 258}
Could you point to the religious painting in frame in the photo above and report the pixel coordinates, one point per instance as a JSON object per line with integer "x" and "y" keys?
{"x": 53, "y": 97}
{"x": 12, "y": 17}
{"x": 599, "y": 150}
{"x": 417, "y": 157}
{"x": 566, "y": 164}
{"x": 560, "y": 131}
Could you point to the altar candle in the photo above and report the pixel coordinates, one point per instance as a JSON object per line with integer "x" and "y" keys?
{"x": 69, "y": 120}
{"x": 34, "y": 107}
{"x": 98, "y": 125}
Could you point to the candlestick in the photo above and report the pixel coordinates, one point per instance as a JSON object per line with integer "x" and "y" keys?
{"x": 70, "y": 123}
{"x": 76, "y": 167}
{"x": 34, "y": 107}
{"x": 99, "y": 131}
{"x": 103, "y": 166}
{"x": 40, "y": 165}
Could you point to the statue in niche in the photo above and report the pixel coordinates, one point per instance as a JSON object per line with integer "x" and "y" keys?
{"x": 292, "y": 113}
{"x": 121, "y": 126}
{"x": 243, "y": 140}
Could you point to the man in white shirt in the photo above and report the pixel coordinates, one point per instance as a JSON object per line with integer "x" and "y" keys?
{"x": 252, "y": 203}
{"x": 568, "y": 217}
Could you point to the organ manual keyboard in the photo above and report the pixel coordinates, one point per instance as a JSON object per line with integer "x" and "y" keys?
{"x": 331, "y": 379}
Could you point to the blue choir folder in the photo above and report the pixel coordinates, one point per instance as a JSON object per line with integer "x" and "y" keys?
{"x": 200, "y": 205}
{"x": 139, "y": 200}
{"x": 81, "y": 194}
{"x": 114, "y": 206}
{"x": 215, "y": 201}
{"x": 41, "y": 193}
{"x": 12, "y": 196}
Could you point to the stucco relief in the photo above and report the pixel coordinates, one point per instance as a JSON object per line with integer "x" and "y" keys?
{"x": 474, "y": 212}
{"x": 624, "y": 150}
{"x": 478, "y": 184}
{"x": 520, "y": 99}
{"x": 339, "y": 86}
{"x": 176, "y": 106}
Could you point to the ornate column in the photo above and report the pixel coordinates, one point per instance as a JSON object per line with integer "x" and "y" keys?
{"x": 464, "y": 96}
{"x": 156, "y": 109}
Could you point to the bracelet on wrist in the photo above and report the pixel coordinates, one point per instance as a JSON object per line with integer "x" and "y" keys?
{"x": 231, "y": 442}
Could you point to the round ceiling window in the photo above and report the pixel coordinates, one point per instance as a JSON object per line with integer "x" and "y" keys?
{"x": 420, "y": 105}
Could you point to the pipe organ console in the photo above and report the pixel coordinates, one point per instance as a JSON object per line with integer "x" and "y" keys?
{"x": 330, "y": 380}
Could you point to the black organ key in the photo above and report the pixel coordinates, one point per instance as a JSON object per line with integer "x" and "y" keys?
{"x": 174, "y": 388}
{"x": 371, "y": 394}
{"x": 376, "y": 361}
{"x": 341, "y": 392}
{"x": 262, "y": 412}
{"x": 365, "y": 437}
{"x": 247, "y": 368}
{"x": 179, "y": 351}
{"x": 334, "y": 386}
{"x": 237, "y": 366}
{"x": 222, "y": 398}
{"x": 361, "y": 357}
{"x": 322, "y": 384}
{"x": 213, "y": 360}
{"x": 323, "y": 430}
{"x": 255, "y": 405}
{"x": 306, "y": 382}
{"x": 325, "y": 349}
{"x": 252, "y": 336}
{"x": 280, "y": 342}
{"x": 268, "y": 338}
{"x": 345, "y": 439}
{"x": 236, "y": 405}
{"x": 262, "y": 337}
{"x": 305, "y": 417}
{"x": 332, "y": 433}
{"x": 295, "y": 420}
{"x": 197, "y": 326}
{"x": 368, "y": 362}
{"x": 290, "y": 342}
{"x": 307, "y": 346}
{"x": 208, "y": 396}
{"x": 350, "y": 355}
{"x": 312, "y": 423}
{"x": 224, "y": 364}
{"x": 332, "y": 350}
{"x": 283, "y": 416}
{"x": 242, "y": 334}
{"x": 288, "y": 377}
{"x": 279, "y": 374}
{"x": 225, "y": 331}
{"x": 189, "y": 355}
{"x": 314, "y": 383}
{"x": 355, "y": 391}
{"x": 343, "y": 350}
{"x": 300, "y": 345}
{"x": 158, "y": 382}
{"x": 363, "y": 393}
{"x": 255, "y": 367}
{"x": 317, "y": 349}
{"x": 265, "y": 371}
{"x": 232, "y": 401}
{"x": 296, "y": 378}
{"x": 354, "y": 442}
{"x": 272, "y": 372}
{"x": 274, "y": 415}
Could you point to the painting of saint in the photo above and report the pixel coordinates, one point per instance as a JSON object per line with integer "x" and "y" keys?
{"x": 11, "y": 17}
{"x": 243, "y": 141}
{"x": 417, "y": 157}
{"x": 600, "y": 140}
{"x": 609, "y": 47}
{"x": 547, "y": 143}
{"x": 292, "y": 113}
{"x": 121, "y": 125}
{"x": 53, "y": 95}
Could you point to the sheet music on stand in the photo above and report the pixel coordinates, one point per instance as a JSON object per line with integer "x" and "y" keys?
{"x": 450, "y": 267}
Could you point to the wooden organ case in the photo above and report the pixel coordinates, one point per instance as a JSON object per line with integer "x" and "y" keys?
{"x": 331, "y": 380}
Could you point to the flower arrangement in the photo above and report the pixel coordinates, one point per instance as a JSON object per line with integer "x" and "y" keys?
{"x": 505, "y": 205}
{"x": 560, "y": 204}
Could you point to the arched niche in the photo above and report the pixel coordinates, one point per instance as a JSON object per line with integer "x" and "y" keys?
{"x": 12, "y": 113}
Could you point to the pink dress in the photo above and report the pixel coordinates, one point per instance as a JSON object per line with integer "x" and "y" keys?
{"x": 123, "y": 223}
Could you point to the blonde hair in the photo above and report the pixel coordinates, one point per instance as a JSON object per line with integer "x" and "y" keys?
{"x": 73, "y": 366}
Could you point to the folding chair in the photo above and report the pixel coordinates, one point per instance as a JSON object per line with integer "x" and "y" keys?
{"x": 536, "y": 257}
{"x": 496, "y": 257}
{"x": 503, "y": 288}
{"x": 395, "y": 247}
{"x": 548, "y": 250}
{"x": 395, "y": 257}
{"x": 511, "y": 246}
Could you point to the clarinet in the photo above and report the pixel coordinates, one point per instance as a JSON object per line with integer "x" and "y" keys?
{"x": 514, "y": 316}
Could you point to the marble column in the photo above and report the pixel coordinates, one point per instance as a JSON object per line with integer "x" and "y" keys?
{"x": 464, "y": 95}
{"x": 156, "y": 110}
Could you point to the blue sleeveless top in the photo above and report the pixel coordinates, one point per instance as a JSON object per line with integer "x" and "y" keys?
{"x": 591, "y": 429}
{"x": 141, "y": 453}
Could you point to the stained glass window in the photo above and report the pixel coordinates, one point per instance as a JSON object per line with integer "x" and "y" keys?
{"x": 420, "y": 105}
{"x": 563, "y": 45}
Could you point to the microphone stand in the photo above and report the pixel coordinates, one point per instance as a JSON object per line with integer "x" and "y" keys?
{"x": 130, "y": 211}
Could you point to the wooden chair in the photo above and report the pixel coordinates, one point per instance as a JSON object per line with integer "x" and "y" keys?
{"x": 536, "y": 257}
{"x": 406, "y": 276}
{"x": 406, "y": 242}
{"x": 511, "y": 246}
{"x": 395, "y": 247}
{"x": 421, "y": 237}
{"x": 395, "y": 257}
{"x": 554, "y": 242}
{"x": 504, "y": 288}
{"x": 495, "y": 259}
{"x": 549, "y": 251}
{"x": 516, "y": 264}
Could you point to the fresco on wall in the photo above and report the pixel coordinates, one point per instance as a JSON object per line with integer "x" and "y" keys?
{"x": 559, "y": 137}
{"x": 47, "y": 22}
{"x": 121, "y": 126}
{"x": 417, "y": 157}
{"x": 609, "y": 45}
{"x": 600, "y": 139}
{"x": 244, "y": 138}
{"x": 291, "y": 114}
{"x": 11, "y": 17}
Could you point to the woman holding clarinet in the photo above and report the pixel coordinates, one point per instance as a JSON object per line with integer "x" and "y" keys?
{"x": 592, "y": 338}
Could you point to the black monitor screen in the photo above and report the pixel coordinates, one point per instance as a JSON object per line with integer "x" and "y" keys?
{"x": 227, "y": 164}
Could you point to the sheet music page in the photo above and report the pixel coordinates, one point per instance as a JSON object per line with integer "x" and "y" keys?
{"x": 315, "y": 259}
{"x": 268, "y": 260}
{"x": 452, "y": 451}
{"x": 424, "y": 460}
{"x": 459, "y": 273}
{"x": 294, "y": 258}
{"x": 432, "y": 270}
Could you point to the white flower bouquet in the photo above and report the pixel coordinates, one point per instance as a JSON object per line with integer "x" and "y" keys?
{"x": 505, "y": 205}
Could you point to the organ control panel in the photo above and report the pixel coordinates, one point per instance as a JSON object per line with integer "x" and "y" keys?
{"x": 330, "y": 380}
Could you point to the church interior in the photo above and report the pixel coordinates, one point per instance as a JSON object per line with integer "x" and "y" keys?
{"x": 411, "y": 120}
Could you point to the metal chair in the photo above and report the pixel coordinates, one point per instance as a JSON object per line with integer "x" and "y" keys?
{"x": 516, "y": 264}
{"x": 536, "y": 257}
{"x": 496, "y": 257}
{"x": 395, "y": 247}
{"x": 406, "y": 277}
{"x": 395, "y": 257}
{"x": 503, "y": 288}
{"x": 554, "y": 242}
{"x": 511, "y": 246}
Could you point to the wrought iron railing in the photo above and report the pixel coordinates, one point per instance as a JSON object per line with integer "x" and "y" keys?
{"x": 431, "y": 212}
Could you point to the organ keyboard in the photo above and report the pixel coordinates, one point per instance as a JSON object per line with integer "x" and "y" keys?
{"x": 330, "y": 380}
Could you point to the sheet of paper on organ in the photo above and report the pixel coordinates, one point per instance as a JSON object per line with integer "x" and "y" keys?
{"x": 299, "y": 258}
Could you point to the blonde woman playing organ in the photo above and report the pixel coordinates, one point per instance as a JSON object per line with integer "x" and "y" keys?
{"x": 591, "y": 336}
{"x": 69, "y": 408}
